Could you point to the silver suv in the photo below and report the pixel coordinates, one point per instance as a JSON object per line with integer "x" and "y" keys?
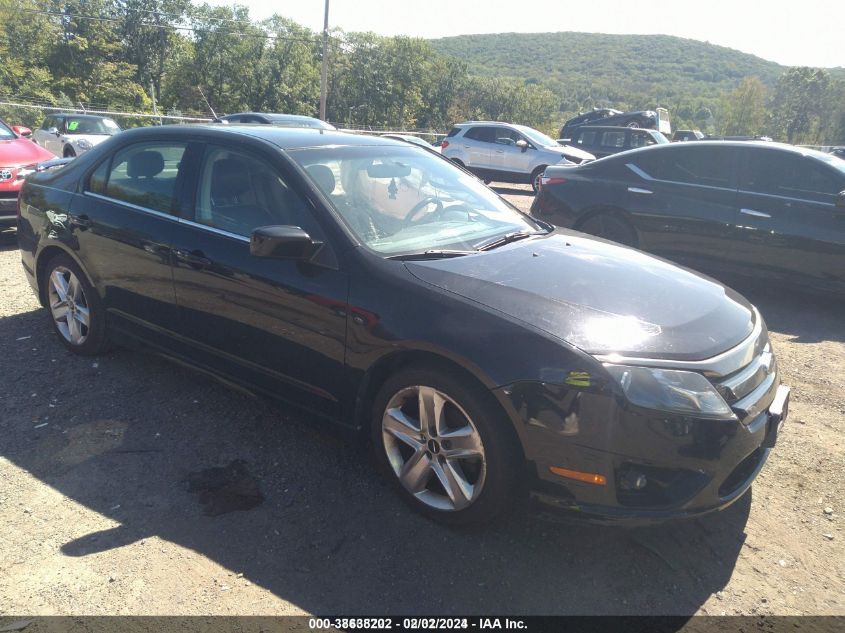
{"x": 506, "y": 152}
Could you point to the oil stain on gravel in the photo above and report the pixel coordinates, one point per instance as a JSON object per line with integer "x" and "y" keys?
{"x": 225, "y": 489}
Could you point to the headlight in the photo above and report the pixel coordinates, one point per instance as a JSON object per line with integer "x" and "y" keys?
{"x": 84, "y": 144}
{"x": 23, "y": 172}
{"x": 682, "y": 392}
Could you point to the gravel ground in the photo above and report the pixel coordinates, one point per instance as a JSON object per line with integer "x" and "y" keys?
{"x": 108, "y": 505}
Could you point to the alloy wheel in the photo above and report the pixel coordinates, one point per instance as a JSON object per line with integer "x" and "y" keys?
{"x": 434, "y": 449}
{"x": 68, "y": 305}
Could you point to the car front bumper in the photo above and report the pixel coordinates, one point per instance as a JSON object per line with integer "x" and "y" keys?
{"x": 691, "y": 466}
{"x": 8, "y": 209}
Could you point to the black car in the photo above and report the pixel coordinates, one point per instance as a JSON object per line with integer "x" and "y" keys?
{"x": 682, "y": 136}
{"x": 601, "y": 141}
{"x": 274, "y": 118}
{"x": 647, "y": 119}
{"x": 375, "y": 284}
{"x": 753, "y": 208}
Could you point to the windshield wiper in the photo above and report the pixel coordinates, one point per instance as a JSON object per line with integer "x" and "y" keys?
{"x": 507, "y": 238}
{"x": 432, "y": 254}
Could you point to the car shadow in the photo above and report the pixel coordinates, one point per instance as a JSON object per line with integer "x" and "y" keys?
{"x": 8, "y": 240}
{"x": 808, "y": 317}
{"x": 164, "y": 452}
{"x": 505, "y": 190}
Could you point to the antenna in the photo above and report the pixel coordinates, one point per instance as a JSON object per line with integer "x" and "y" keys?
{"x": 213, "y": 113}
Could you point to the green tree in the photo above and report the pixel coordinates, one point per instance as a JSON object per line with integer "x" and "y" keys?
{"x": 799, "y": 104}
{"x": 744, "y": 110}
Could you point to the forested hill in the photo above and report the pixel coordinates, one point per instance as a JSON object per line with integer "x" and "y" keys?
{"x": 640, "y": 70}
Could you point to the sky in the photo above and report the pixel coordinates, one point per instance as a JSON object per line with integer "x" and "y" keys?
{"x": 790, "y": 32}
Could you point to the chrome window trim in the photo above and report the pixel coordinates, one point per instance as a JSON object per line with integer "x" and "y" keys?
{"x": 791, "y": 199}
{"x": 639, "y": 172}
{"x": 213, "y": 229}
{"x": 717, "y": 366}
{"x": 169, "y": 216}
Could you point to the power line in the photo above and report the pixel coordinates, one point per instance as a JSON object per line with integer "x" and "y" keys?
{"x": 108, "y": 112}
{"x": 97, "y": 18}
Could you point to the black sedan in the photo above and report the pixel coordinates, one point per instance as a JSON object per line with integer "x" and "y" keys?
{"x": 756, "y": 209}
{"x": 275, "y": 118}
{"x": 647, "y": 119}
{"x": 376, "y": 285}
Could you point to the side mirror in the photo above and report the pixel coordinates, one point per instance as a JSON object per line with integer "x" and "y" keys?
{"x": 53, "y": 130}
{"x": 840, "y": 199}
{"x": 22, "y": 130}
{"x": 522, "y": 144}
{"x": 282, "y": 242}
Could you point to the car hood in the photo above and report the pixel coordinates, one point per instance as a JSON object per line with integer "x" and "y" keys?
{"x": 599, "y": 296}
{"x": 21, "y": 151}
{"x": 91, "y": 138}
{"x": 569, "y": 150}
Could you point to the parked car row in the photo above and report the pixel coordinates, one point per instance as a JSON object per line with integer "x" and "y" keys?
{"x": 507, "y": 152}
{"x": 18, "y": 159}
{"x": 487, "y": 355}
{"x": 754, "y": 208}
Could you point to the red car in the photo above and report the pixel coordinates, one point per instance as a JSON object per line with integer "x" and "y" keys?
{"x": 18, "y": 157}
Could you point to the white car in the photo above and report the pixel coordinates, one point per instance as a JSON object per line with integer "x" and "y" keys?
{"x": 69, "y": 135}
{"x": 506, "y": 152}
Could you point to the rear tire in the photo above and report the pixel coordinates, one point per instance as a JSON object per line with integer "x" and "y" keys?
{"x": 69, "y": 152}
{"x": 610, "y": 227}
{"x": 535, "y": 177}
{"x": 75, "y": 309}
{"x": 453, "y": 457}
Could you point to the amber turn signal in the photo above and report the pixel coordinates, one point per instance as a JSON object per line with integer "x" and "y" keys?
{"x": 590, "y": 478}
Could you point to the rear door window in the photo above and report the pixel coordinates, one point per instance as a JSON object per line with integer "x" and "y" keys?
{"x": 144, "y": 174}
{"x": 586, "y": 138}
{"x": 484, "y": 134}
{"x": 694, "y": 165}
{"x": 613, "y": 139}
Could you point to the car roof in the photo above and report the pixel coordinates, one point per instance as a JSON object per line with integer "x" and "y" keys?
{"x": 81, "y": 116}
{"x": 768, "y": 145}
{"x": 283, "y": 137}
{"x": 465, "y": 123}
{"x": 274, "y": 116}
{"x": 615, "y": 127}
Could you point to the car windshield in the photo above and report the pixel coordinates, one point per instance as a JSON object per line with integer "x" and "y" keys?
{"x": 660, "y": 138}
{"x": 406, "y": 200}
{"x": 84, "y": 125}
{"x": 537, "y": 137}
{"x": 6, "y": 132}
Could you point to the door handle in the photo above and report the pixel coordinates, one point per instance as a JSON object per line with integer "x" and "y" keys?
{"x": 500, "y": 151}
{"x": 82, "y": 222}
{"x": 638, "y": 190}
{"x": 195, "y": 259}
{"x": 756, "y": 214}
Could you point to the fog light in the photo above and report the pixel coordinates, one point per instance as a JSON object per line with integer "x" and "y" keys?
{"x": 632, "y": 480}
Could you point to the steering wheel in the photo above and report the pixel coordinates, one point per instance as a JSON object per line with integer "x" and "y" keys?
{"x": 422, "y": 204}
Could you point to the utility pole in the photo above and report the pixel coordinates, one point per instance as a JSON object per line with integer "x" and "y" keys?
{"x": 155, "y": 107}
{"x": 324, "y": 74}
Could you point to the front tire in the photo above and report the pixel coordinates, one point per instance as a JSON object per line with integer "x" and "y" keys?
{"x": 445, "y": 446}
{"x": 69, "y": 152}
{"x": 610, "y": 227}
{"x": 75, "y": 309}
